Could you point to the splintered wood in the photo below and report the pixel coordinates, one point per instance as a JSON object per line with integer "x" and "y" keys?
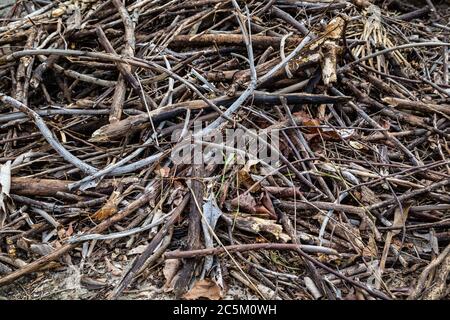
{"x": 225, "y": 149}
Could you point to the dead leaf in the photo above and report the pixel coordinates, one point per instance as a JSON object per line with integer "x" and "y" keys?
{"x": 112, "y": 268}
{"x": 245, "y": 175}
{"x": 267, "y": 202}
{"x": 4, "y": 269}
{"x": 58, "y": 12}
{"x": 171, "y": 267}
{"x": 247, "y": 203}
{"x": 250, "y": 165}
{"x": 335, "y": 28}
{"x": 163, "y": 172}
{"x": 23, "y": 158}
{"x": 247, "y": 181}
{"x": 205, "y": 288}
{"x": 314, "y": 130}
{"x": 69, "y": 231}
{"x": 312, "y": 125}
{"x": 41, "y": 249}
{"x": 137, "y": 250}
{"x": 301, "y": 115}
{"x": 371, "y": 250}
{"x": 346, "y": 133}
{"x": 109, "y": 208}
{"x": 367, "y": 196}
{"x": 356, "y": 145}
{"x": 400, "y": 219}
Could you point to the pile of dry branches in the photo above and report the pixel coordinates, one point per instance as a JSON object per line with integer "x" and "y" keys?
{"x": 355, "y": 207}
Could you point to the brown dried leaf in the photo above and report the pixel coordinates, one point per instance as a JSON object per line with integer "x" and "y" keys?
{"x": 267, "y": 202}
{"x": 205, "y": 288}
{"x": 163, "y": 172}
{"x": 115, "y": 271}
{"x": 109, "y": 208}
{"x": 329, "y": 56}
{"x": 371, "y": 250}
{"x": 367, "y": 196}
{"x": 247, "y": 181}
{"x": 137, "y": 250}
{"x": 313, "y": 123}
{"x": 313, "y": 131}
{"x": 247, "y": 203}
{"x": 400, "y": 219}
{"x": 335, "y": 28}
{"x": 105, "y": 212}
{"x": 69, "y": 230}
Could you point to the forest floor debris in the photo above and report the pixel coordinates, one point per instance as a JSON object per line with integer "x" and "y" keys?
{"x": 119, "y": 179}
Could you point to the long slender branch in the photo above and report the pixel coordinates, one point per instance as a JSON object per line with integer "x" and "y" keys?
{"x": 47, "y": 134}
{"x": 248, "y": 247}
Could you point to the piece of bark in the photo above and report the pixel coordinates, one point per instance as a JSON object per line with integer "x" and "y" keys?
{"x": 50, "y": 187}
{"x": 230, "y": 40}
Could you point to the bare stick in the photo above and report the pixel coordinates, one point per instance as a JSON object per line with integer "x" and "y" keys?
{"x": 47, "y": 134}
{"x": 426, "y": 272}
{"x": 247, "y": 247}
